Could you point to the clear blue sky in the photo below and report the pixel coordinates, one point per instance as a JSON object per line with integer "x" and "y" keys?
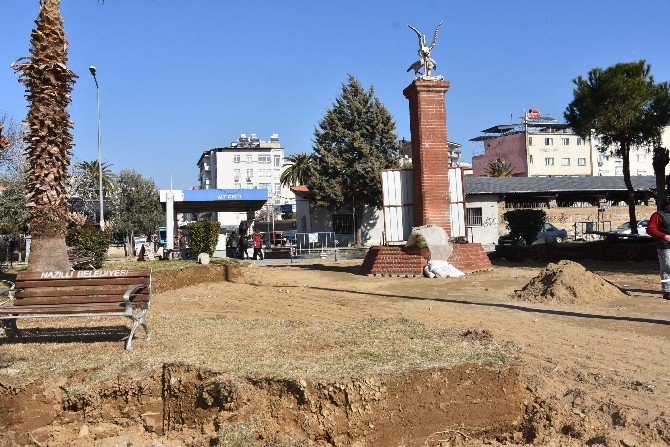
{"x": 178, "y": 77}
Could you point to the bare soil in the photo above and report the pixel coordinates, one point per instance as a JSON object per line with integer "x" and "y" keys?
{"x": 568, "y": 282}
{"x": 589, "y": 372}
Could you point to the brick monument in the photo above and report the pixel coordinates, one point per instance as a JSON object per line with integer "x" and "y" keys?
{"x": 430, "y": 164}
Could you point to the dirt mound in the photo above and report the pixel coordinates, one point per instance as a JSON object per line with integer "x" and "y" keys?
{"x": 568, "y": 282}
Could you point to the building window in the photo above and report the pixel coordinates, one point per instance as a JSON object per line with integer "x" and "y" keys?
{"x": 581, "y": 161}
{"x": 565, "y": 162}
{"x": 237, "y": 186}
{"x": 277, "y": 174}
{"x": 641, "y": 158}
{"x": 530, "y": 141}
{"x": 250, "y": 158}
{"x": 603, "y": 158}
{"x": 277, "y": 160}
{"x": 265, "y": 186}
{"x": 580, "y": 141}
{"x": 549, "y": 161}
{"x": 473, "y": 217}
{"x": 530, "y": 160}
{"x": 250, "y": 173}
{"x": 343, "y": 224}
{"x": 548, "y": 141}
{"x": 278, "y": 189}
{"x": 265, "y": 172}
{"x": 264, "y": 159}
{"x": 565, "y": 141}
{"x": 250, "y": 186}
{"x": 236, "y": 158}
{"x": 236, "y": 173}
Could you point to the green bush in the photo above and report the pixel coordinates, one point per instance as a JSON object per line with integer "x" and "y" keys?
{"x": 204, "y": 235}
{"x": 90, "y": 241}
{"x": 525, "y": 224}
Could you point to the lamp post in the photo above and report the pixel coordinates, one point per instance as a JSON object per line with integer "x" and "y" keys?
{"x": 102, "y": 203}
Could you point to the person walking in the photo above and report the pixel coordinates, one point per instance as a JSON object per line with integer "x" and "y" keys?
{"x": 659, "y": 229}
{"x": 232, "y": 244}
{"x": 257, "y": 241}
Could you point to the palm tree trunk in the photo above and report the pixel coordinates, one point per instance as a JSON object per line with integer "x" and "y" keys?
{"x": 48, "y": 84}
{"x": 625, "y": 154}
{"x": 661, "y": 160}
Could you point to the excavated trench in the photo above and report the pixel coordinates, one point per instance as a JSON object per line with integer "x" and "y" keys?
{"x": 471, "y": 400}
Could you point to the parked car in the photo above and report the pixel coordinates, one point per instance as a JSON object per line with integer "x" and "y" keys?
{"x": 549, "y": 234}
{"x": 625, "y": 228}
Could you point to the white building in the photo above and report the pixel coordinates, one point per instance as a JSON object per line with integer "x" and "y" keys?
{"x": 247, "y": 163}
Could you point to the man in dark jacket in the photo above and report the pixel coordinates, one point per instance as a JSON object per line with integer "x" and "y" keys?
{"x": 659, "y": 229}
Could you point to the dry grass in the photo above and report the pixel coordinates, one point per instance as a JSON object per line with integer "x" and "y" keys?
{"x": 236, "y": 347}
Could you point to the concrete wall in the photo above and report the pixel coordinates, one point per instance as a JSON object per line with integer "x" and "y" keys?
{"x": 487, "y": 233}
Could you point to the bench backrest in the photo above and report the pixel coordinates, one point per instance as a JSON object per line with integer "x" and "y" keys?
{"x": 81, "y": 287}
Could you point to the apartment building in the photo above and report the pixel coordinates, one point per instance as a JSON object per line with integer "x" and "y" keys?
{"x": 247, "y": 163}
{"x": 540, "y": 146}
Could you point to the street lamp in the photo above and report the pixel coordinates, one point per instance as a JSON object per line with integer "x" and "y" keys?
{"x": 102, "y": 207}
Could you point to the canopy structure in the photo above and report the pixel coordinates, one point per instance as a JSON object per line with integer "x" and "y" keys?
{"x": 207, "y": 200}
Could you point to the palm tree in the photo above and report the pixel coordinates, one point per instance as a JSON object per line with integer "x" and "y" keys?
{"x": 48, "y": 84}
{"x": 298, "y": 168}
{"x": 499, "y": 168}
{"x": 92, "y": 171}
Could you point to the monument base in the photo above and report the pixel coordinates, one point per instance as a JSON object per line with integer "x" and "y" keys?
{"x": 409, "y": 261}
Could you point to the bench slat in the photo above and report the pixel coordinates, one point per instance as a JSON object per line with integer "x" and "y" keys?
{"x": 83, "y": 282}
{"x": 80, "y": 292}
{"x": 79, "y": 300}
{"x": 83, "y": 274}
{"x": 62, "y": 309}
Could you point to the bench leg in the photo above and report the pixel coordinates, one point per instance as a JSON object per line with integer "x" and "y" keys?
{"x": 8, "y": 328}
{"x": 141, "y": 319}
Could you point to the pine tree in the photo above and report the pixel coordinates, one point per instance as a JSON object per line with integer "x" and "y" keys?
{"x": 49, "y": 142}
{"x": 354, "y": 142}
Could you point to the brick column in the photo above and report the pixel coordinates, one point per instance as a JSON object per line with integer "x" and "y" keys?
{"x": 430, "y": 154}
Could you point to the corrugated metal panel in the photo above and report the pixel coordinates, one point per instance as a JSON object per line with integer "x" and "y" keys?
{"x": 457, "y": 202}
{"x": 398, "y": 204}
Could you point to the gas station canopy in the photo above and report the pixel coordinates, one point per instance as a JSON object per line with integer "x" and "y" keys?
{"x": 215, "y": 200}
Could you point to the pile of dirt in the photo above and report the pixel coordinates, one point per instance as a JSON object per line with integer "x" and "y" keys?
{"x": 568, "y": 282}
{"x": 190, "y": 276}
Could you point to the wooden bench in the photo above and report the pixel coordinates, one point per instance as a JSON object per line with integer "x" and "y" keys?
{"x": 82, "y": 293}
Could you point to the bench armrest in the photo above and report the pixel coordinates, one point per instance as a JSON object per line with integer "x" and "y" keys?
{"x": 126, "y": 297}
{"x": 10, "y": 292}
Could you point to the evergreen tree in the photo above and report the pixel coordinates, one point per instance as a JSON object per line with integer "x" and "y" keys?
{"x": 354, "y": 142}
{"x": 48, "y": 84}
{"x": 624, "y": 108}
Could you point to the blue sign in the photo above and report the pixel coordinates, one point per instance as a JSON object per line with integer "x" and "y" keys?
{"x": 210, "y": 195}
{"x": 285, "y": 209}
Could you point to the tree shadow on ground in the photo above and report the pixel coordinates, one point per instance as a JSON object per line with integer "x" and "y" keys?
{"x": 68, "y": 335}
{"x": 564, "y": 313}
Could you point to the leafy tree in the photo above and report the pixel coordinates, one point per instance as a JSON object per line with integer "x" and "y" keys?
{"x": 4, "y": 143}
{"x": 13, "y": 212}
{"x": 136, "y": 203}
{"x": 525, "y": 223}
{"x": 499, "y": 168}
{"x": 204, "y": 235}
{"x": 48, "y": 84}
{"x": 353, "y": 143}
{"x": 12, "y": 157}
{"x": 90, "y": 240}
{"x": 623, "y": 107}
{"x": 298, "y": 169}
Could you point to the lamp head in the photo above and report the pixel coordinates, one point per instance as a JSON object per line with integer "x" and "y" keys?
{"x": 92, "y": 70}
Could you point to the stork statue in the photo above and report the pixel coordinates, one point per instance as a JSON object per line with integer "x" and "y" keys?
{"x": 426, "y": 62}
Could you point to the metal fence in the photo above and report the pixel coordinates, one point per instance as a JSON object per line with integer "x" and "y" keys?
{"x": 321, "y": 242}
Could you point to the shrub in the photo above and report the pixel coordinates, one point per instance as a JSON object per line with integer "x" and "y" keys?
{"x": 525, "y": 223}
{"x": 204, "y": 235}
{"x": 89, "y": 241}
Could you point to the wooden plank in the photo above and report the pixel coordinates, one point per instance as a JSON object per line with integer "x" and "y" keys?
{"x": 79, "y": 300}
{"x": 34, "y": 292}
{"x": 83, "y": 274}
{"x": 82, "y": 282}
{"x": 61, "y": 309}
